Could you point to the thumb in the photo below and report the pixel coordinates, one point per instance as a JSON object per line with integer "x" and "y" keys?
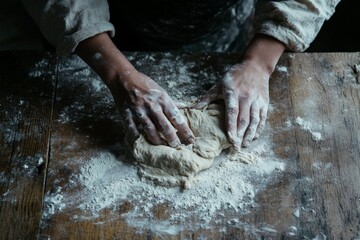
{"x": 210, "y": 96}
{"x": 203, "y": 102}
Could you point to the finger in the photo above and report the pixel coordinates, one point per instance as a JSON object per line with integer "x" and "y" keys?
{"x": 263, "y": 117}
{"x": 243, "y": 119}
{"x": 181, "y": 105}
{"x": 166, "y": 129}
{"x": 211, "y": 95}
{"x": 254, "y": 122}
{"x": 231, "y": 116}
{"x": 202, "y": 103}
{"x": 130, "y": 123}
{"x": 180, "y": 123}
{"x": 148, "y": 126}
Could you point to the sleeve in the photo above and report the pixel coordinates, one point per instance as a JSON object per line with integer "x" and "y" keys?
{"x": 66, "y": 23}
{"x": 293, "y": 22}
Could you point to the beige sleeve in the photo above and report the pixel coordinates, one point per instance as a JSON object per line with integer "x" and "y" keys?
{"x": 293, "y": 22}
{"x": 65, "y": 23}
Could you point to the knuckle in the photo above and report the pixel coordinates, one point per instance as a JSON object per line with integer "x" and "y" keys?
{"x": 263, "y": 115}
{"x": 185, "y": 131}
{"x": 243, "y": 122}
{"x": 175, "y": 116}
{"x": 231, "y": 110}
{"x": 164, "y": 126}
{"x": 229, "y": 93}
{"x": 148, "y": 127}
{"x": 180, "y": 121}
{"x": 255, "y": 121}
{"x": 261, "y": 126}
{"x": 139, "y": 113}
{"x": 245, "y": 95}
{"x": 162, "y": 96}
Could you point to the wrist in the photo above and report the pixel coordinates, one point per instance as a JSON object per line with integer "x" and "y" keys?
{"x": 264, "y": 51}
{"x": 100, "y": 53}
{"x": 115, "y": 76}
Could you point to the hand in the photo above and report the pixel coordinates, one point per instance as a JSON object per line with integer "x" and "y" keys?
{"x": 148, "y": 109}
{"x": 245, "y": 91}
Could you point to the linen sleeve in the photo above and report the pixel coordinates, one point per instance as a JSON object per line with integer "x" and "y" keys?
{"x": 66, "y": 23}
{"x": 293, "y": 22}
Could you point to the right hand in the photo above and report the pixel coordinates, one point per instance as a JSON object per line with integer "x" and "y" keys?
{"x": 147, "y": 109}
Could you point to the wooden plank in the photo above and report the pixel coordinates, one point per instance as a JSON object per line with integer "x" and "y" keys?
{"x": 325, "y": 93}
{"x": 298, "y": 203}
{"x": 85, "y": 120}
{"x": 26, "y": 96}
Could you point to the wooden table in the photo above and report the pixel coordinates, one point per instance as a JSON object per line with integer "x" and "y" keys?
{"x": 53, "y": 114}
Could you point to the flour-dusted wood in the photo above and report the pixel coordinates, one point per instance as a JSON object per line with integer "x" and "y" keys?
{"x": 27, "y": 86}
{"x": 317, "y": 195}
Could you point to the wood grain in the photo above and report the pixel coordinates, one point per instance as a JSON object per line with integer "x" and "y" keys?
{"x": 324, "y": 87}
{"x": 26, "y": 98}
{"x": 316, "y": 197}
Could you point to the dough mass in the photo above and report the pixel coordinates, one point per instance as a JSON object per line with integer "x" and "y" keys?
{"x": 176, "y": 167}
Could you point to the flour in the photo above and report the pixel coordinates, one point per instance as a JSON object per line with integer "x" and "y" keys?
{"x": 282, "y": 69}
{"x": 296, "y": 212}
{"x": 309, "y": 127}
{"x": 178, "y": 74}
{"x": 54, "y": 202}
{"x": 293, "y": 231}
{"x": 85, "y": 90}
{"x": 321, "y": 236}
{"x": 107, "y": 182}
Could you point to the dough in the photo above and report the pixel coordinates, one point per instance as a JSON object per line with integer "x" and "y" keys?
{"x": 176, "y": 167}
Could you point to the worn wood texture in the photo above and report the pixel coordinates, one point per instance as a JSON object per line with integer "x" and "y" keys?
{"x": 27, "y": 87}
{"x": 327, "y": 88}
{"x": 314, "y": 117}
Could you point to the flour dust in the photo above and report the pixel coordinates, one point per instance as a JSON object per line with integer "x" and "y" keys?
{"x": 104, "y": 181}
{"x": 107, "y": 182}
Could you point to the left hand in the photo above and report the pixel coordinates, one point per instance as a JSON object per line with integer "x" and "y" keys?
{"x": 245, "y": 91}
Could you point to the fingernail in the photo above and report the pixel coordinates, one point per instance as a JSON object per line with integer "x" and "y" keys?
{"x": 190, "y": 140}
{"x": 175, "y": 143}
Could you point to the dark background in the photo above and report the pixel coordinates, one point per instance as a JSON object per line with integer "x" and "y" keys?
{"x": 341, "y": 32}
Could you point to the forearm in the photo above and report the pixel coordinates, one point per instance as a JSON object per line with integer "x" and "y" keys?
{"x": 145, "y": 107}
{"x": 265, "y": 51}
{"x": 100, "y": 53}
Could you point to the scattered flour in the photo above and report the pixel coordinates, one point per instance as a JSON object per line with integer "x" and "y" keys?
{"x": 293, "y": 231}
{"x": 296, "y": 212}
{"x": 54, "y": 202}
{"x": 107, "y": 182}
{"x": 178, "y": 74}
{"x": 283, "y": 69}
{"x": 308, "y": 127}
{"x": 321, "y": 236}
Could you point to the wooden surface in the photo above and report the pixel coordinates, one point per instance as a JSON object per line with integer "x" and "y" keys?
{"x": 51, "y": 121}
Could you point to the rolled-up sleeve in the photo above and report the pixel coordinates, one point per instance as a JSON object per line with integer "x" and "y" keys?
{"x": 66, "y": 23}
{"x": 293, "y": 22}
